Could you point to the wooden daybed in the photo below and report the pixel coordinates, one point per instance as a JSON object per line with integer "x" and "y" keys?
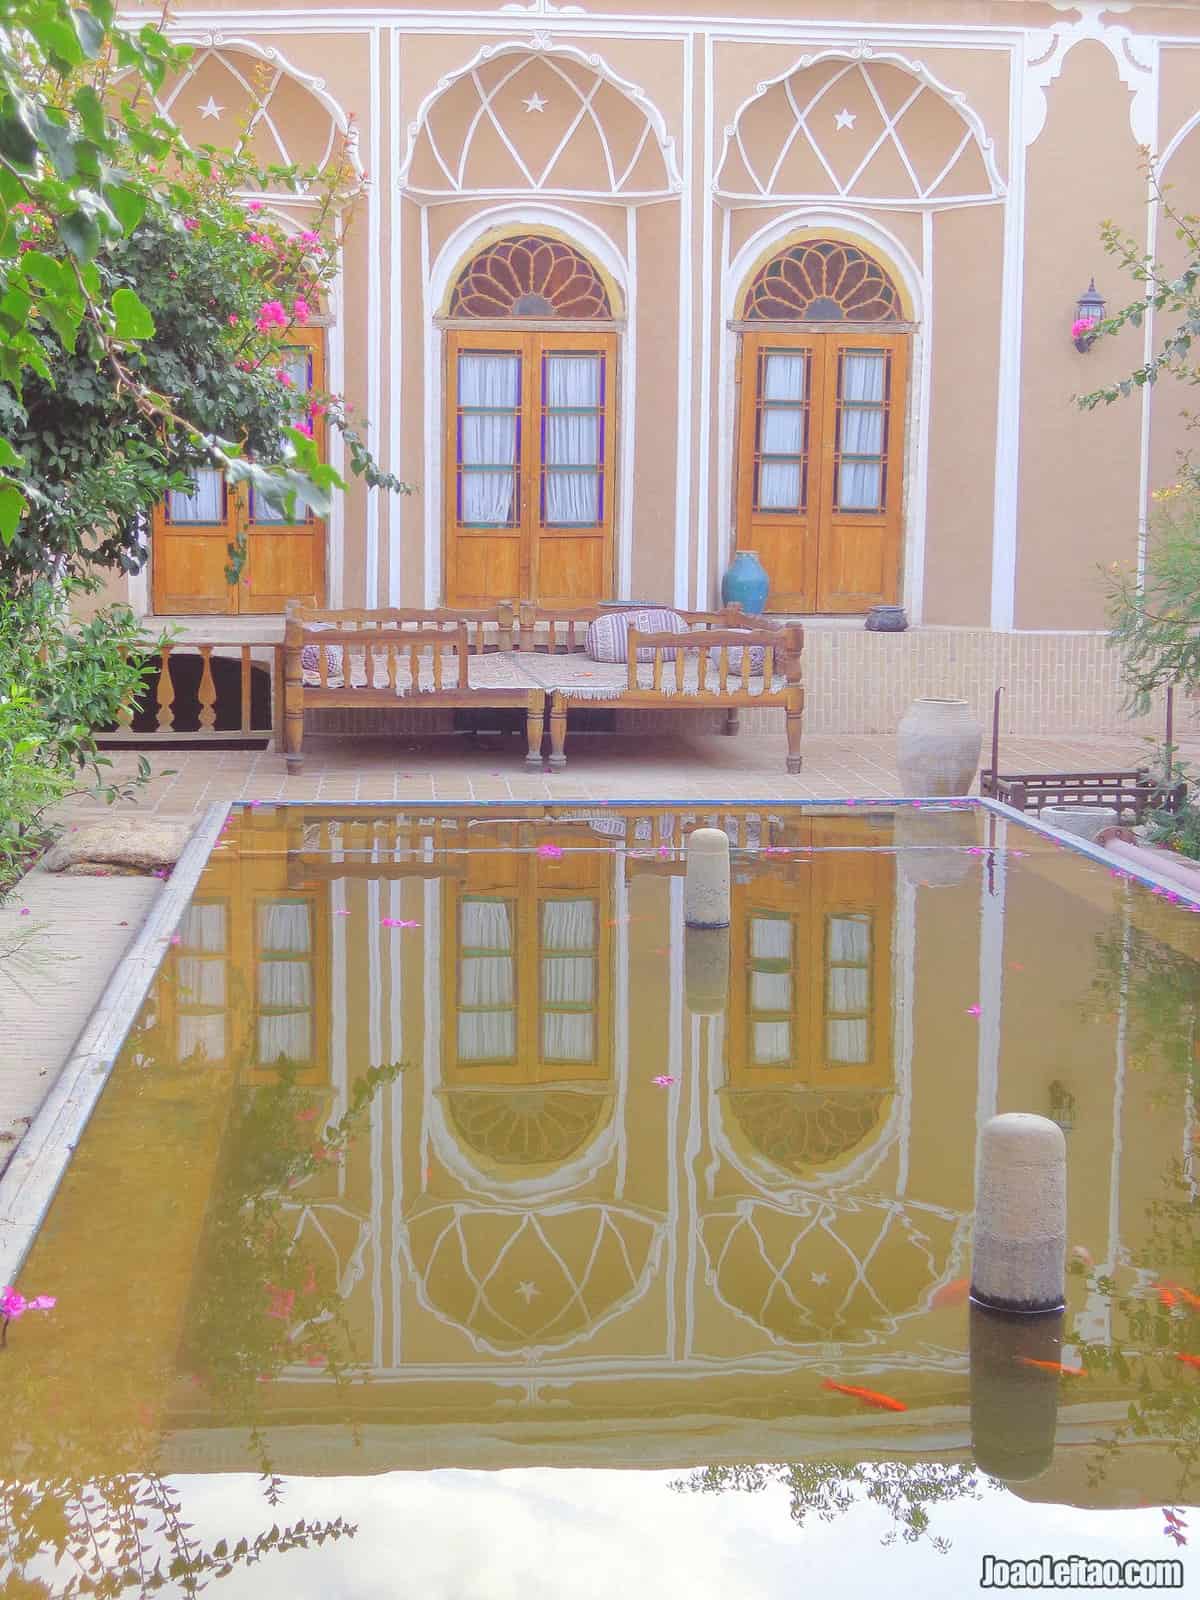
{"x": 520, "y": 658}
{"x": 421, "y": 659}
{"x": 747, "y": 662}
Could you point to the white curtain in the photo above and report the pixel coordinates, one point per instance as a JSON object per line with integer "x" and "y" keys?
{"x": 846, "y": 989}
{"x": 283, "y": 927}
{"x": 770, "y": 939}
{"x": 569, "y": 925}
{"x": 207, "y": 505}
{"x": 200, "y": 1036}
{"x": 567, "y": 1035}
{"x": 284, "y": 984}
{"x": 782, "y": 432}
{"x": 485, "y": 925}
{"x": 846, "y": 1039}
{"x": 487, "y": 1035}
{"x": 770, "y": 991}
{"x": 200, "y": 983}
{"x": 203, "y": 928}
{"x": 489, "y": 398}
{"x": 772, "y": 1043}
{"x": 289, "y": 1036}
{"x": 568, "y": 980}
{"x": 850, "y": 938}
{"x": 860, "y": 431}
{"x": 572, "y": 439}
{"x": 487, "y": 981}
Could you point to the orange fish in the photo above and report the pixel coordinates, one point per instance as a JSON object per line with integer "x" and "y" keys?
{"x": 1052, "y": 1366}
{"x": 869, "y": 1397}
{"x": 1189, "y": 1299}
{"x": 1167, "y": 1297}
{"x": 950, "y": 1294}
{"x": 1192, "y": 1361}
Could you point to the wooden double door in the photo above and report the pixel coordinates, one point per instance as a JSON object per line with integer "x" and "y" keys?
{"x": 191, "y": 533}
{"x": 820, "y": 466}
{"x": 529, "y": 481}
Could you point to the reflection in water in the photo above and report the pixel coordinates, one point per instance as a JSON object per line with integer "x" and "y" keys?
{"x": 627, "y": 1204}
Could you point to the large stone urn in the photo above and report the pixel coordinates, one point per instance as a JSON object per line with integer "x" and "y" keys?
{"x": 937, "y": 748}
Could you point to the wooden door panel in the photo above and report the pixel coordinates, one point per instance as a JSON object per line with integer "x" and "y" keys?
{"x": 570, "y": 569}
{"x": 573, "y": 429}
{"x": 862, "y": 477}
{"x": 188, "y": 571}
{"x": 282, "y": 565}
{"x": 485, "y": 468}
{"x": 484, "y": 569}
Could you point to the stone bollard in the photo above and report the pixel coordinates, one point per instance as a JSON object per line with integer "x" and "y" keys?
{"x": 706, "y": 970}
{"x": 1020, "y": 1249}
{"x": 706, "y": 887}
{"x": 1014, "y": 1405}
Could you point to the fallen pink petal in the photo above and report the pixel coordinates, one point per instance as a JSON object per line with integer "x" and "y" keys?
{"x": 398, "y": 922}
{"x": 974, "y": 1011}
{"x": 664, "y": 1080}
{"x": 551, "y": 852}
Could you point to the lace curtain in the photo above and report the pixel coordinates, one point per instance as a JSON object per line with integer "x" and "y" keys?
{"x": 487, "y": 981}
{"x": 206, "y": 505}
{"x": 782, "y": 432}
{"x": 860, "y": 431}
{"x": 489, "y": 398}
{"x": 285, "y": 987}
{"x": 572, "y": 438}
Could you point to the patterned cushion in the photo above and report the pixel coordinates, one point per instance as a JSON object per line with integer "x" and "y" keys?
{"x": 608, "y": 636}
{"x": 309, "y": 662}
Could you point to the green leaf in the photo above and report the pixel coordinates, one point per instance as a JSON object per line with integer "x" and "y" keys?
{"x": 133, "y": 320}
{"x": 80, "y": 234}
{"x": 12, "y": 509}
{"x": 90, "y": 32}
{"x": 47, "y": 270}
{"x": 128, "y": 205}
{"x": 59, "y": 40}
{"x": 17, "y": 144}
{"x": 8, "y": 456}
{"x": 55, "y": 138}
{"x": 91, "y": 112}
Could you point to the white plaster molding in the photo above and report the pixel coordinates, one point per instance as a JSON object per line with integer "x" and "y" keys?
{"x": 544, "y": 8}
{"x": 540, "y": 44}
{"x": 857, "y": 58}
{"x": 1046, "y": 50}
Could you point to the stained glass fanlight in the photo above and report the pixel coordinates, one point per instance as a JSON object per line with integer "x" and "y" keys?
{"x": 529, "y": 275}
{"x": 822, "y": 280}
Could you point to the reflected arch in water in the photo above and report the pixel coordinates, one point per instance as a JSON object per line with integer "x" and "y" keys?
{"x": 522, "y": 1131}
{"x": 804, "y": 1131}
{"x": 530, "y": 1280}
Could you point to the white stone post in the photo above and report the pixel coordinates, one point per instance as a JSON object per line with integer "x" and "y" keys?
{"x": 706, "y": 970}
{"x": 1020, "y": 1248}
{"x": 706, "y": 888}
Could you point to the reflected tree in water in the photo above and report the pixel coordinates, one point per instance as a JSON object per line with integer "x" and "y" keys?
{"x": 908, "y": 1492}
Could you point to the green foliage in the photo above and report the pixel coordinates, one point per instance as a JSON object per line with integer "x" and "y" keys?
{"x": 58, "y": 683}
{"x": 133, "y": 278}
{"x": 1156, "y": 622}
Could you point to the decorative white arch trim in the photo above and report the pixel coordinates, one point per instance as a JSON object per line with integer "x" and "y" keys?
{"x": 450, "y": 258}
{"x": 855, "y": 58}
{"x": 540, "y": 45}
{"x": 857, "y": 226}
{"x": 1046, "y": 50}
{"x": 218, "y": 44}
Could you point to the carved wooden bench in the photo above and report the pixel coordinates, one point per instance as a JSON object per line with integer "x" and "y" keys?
{"x": 417, "y": 659}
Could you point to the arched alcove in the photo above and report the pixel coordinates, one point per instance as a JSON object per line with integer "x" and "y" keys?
{"x": 822, "y": 280}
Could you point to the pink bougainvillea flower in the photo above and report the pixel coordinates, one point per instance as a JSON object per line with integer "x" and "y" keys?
{"x": 301, "y": 310}
{"x": 24, "y": 911}
{"x": 318, "y": 410}
{"x": 282, "y": 1301}
{"x": 551, "y": 852}
{"x": 233, "y": 321}
{"x": 191, "y": 224}
{"x": 25, "y": 207}
{"x": 254, "y": 205}
{"x": 14, "y": 1305}
{"x": 305, "y": 428}
{"x": 175, "y": 939}
{"x": 308, "y": 237}
{"x": 1082, "y": 325}
{"x": 974, "y": 1011}
{"x": 283, "y": 376}
{"x": 398, "y": 922}
{"x": 664, "y": 1080}
{"x": 270, "y": 315}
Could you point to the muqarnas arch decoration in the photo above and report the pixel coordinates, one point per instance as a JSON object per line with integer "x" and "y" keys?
{"x": 822, "y": 280}
{"x": 865, "y": 127}
{"x": 530, "y": 275}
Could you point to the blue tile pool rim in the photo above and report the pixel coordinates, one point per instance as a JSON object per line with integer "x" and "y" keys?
{"x": 33, "y": 1175}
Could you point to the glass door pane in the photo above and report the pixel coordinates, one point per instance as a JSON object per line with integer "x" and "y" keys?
{"x": 862, "y": 387}
{"x": 572, "y": 440}
{"x": 297, "y": 362}
{"x": 206, "y": 506}
{"x": 781, "y": 445}
{"x": 488, "y": 439}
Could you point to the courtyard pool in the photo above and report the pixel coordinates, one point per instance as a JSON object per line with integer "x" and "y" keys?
{"x": 455, "y": 1224}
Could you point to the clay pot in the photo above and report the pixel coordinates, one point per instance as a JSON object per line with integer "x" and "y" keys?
{"x": 937, "y": 748}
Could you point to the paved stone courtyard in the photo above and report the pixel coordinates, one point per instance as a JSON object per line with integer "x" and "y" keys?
{"x": 735, "y": 770}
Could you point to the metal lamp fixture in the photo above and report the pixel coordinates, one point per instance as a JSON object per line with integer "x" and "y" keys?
{"x": 1089, "y": 312}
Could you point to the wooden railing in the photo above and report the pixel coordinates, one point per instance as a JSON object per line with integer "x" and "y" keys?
{"x": 182, "y": 688}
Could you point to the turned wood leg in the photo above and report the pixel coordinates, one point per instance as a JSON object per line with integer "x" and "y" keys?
{"x": 558, "y": 731}
{"x": 293, "y": 713}
{"x": 795, "y": 729}
{"x": 535, "y": 724}
{"x": 731, "y": 721}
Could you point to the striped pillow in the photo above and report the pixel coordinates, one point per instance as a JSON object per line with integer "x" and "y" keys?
{"x": 608, "y": 636}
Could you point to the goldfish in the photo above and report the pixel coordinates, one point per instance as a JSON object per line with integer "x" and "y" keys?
{"x": 1167, "y": 1297}
{"x": 1192, "y": 1301}
{"x": 1052, "y": 1366}
{"x": 869, "y": 1397}
{"x": 1191, "y": 1361}
{"x": 950, "y": 1294}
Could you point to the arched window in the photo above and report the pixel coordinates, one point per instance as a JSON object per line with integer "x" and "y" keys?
{"x": 821, "y": 427}
{"x": 530, "y": 426}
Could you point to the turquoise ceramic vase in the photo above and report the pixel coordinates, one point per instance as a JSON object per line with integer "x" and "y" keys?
{"x": 745, "y": 583}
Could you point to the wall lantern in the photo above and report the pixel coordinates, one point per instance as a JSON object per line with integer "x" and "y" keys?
{"x": 1089, "y": 312}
